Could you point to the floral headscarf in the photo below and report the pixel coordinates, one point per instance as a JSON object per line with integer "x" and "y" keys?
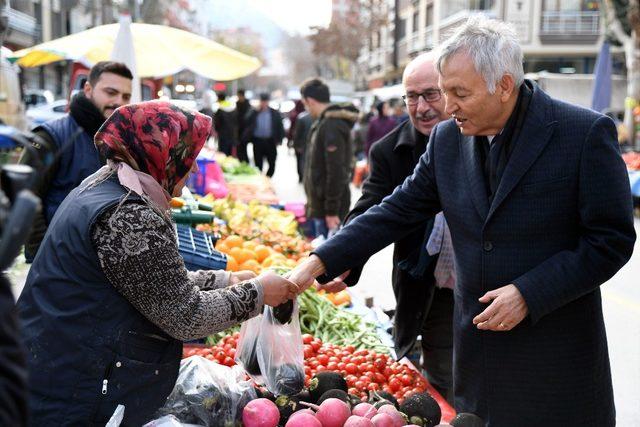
{"x": 156, "y": 138}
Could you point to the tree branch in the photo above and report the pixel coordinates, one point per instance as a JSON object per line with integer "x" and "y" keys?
{"x": 615, "y": 25}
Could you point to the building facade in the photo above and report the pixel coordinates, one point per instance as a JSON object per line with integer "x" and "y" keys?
{"x": 559, "y": 36}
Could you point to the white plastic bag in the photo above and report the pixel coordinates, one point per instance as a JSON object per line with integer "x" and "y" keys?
{"x": 280, "y": 351}
{"x": 117, "y": 417}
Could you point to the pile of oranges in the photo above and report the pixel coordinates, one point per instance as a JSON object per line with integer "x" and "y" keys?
{"x": 251, "y": 255}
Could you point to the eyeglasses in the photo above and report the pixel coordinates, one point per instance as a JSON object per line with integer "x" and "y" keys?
{"x": 431, "y": 95}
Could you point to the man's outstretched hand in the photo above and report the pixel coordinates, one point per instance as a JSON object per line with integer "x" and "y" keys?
{"x": 506, "y": 310}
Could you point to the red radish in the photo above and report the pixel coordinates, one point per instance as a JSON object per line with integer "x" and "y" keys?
{"x": 356, "y": 421}
{"x": 260, "y": 413}
{"x": 333, "y": 413}
{"x": 303, "y": 419}
{"x": 383, "y": 420}
{"x": 364, "y": 409}
{"x": 398, "y": 419}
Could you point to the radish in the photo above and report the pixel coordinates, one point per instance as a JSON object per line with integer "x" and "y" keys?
{"x": 333, "y": 413}
{"x": 303, "y": 419}
{"x": 383, "y": 420}
{"x": 356, "y": 421}
{"x": 364, "y": 409}
{"x": 260, "y": 413}
{"x": 398, "y": 419}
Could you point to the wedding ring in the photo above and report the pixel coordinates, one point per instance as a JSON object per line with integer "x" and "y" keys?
{"x": 502, "y": 325}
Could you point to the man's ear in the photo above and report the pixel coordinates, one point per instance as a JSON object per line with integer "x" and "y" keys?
{"x": 506, "y": 86}
{"x": 87, "y": 89}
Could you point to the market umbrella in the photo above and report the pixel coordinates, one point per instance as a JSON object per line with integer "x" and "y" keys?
{"x": 601, "y": 97}
{"x": 160, "y": 51}
{"x": 123, "y": 52}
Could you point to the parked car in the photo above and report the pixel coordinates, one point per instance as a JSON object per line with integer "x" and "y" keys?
{"x": 46, "y": 112}
{"x": 37, "y": 97}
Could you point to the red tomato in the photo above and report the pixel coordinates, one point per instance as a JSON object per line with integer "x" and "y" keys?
{"x": 351, "y": 380}
{"x": 332, "y": 366}
{"x": 229, "y": 361}
{"x": 360, "y": 385}
{"x": 306, "y": 338}
{"x": 308, "y": 352}
{"x": 323, "y": 359}
{"x": 342, "y": 366}
{"x": 406, "y": 379}
{"x": 380, "y": 379}
{"x": 373, "y": 386}
{"x": 316, "y": 345}
{"x": 351, "y": 368}
{"x": 395, "y": 385}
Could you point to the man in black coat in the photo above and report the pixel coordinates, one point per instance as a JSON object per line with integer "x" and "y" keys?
{"x": 423, "y": 307}
{"x": 243, "y": 108}
{"x": 265, "y": 131}
{"x": 538, "y": 202}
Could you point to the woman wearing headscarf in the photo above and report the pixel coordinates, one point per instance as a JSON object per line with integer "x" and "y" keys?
{"x": 108, "y": 301}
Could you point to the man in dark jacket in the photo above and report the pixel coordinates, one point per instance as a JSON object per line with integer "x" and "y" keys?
{"x": 328, "y": 157}
{"x": 540, "y": 218}
{"x": 265, "y": 131}
{"x": 224, "y": 123}
{"x": 108, "y": 87}
{"x": 242, "y": 110}
{"x": 424, "y": 304}
{"x": 300, "y": 137}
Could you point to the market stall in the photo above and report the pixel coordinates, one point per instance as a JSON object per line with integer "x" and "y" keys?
{"x": 333, "y": 335}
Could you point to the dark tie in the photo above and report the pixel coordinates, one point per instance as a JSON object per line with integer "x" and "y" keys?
{"x": 491, "y": 162}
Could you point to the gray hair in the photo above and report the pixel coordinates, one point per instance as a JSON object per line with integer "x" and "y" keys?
{"x": 492, "y": 45}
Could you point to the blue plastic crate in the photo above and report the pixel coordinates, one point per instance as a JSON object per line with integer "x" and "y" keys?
{"x": 197, "y": 181}
{"x": 197, "y": 250}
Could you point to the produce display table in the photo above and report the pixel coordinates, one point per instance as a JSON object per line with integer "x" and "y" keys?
{"x": 251, "y": 187}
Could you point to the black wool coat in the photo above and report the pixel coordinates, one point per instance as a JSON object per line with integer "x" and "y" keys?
{"x": 559, "y": 226}
{"x": 391, "y": 160}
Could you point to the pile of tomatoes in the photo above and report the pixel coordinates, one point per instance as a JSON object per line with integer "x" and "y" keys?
{"x": 364, "y": 370}
{"x": 224, "y": 352}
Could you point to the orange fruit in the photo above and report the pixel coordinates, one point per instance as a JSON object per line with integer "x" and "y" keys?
{"x": 277, "y": 248}
{"x": 251, "y": 264}
{"x": 222, "y": 247}
{"x": 249, "y": 254}
{"x": 249, "y": 244}
{"x": 262, "y": 252}
{"x": 234, "y": 241}
{"x": 238, "y": 254}
{"x": 232, "y": 264}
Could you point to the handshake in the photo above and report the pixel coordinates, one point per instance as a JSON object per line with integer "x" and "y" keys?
{"x": 278, "y": 289}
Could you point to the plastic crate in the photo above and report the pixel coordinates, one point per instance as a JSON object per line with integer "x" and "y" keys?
{"x": 197, "y": 250}
{"x": 197, "y": 181}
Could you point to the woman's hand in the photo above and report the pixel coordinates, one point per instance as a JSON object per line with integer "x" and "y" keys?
{"x": 240, "y": 276}
{"x": 276, "y": 289}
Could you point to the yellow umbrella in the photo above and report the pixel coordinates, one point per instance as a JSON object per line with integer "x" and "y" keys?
{"x": 160, "y": 51}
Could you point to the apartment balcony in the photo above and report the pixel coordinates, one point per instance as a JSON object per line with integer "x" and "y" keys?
{"x": 22, "y": 28}
{"x": 573, "y": 27}
{"x": 415, "y": 43}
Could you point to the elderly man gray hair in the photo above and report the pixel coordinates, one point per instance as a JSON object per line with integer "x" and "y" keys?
{"x": 538, "y": 203}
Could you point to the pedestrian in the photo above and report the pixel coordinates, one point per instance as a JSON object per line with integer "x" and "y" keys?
{"x": 422, "y": 281}
{"x": 399, "y": 111}
{"x": 538, "y": 202}
{"x": 380, "y": 125}
{"x": 293, "y": 117}
{"x": 300, "y": 137}
{"x": 359, "y": 136}
{"x": 328, "y": 158}
{"x": 71, "y": 136}
{"x": 265, "y": 131}
{"x": 224, "y": 123}
{"x": 243, "y": 107}
{"x": 108, "y": 301}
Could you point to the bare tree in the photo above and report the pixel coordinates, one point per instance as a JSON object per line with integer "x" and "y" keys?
{"x": 623, "y": 17}
{"x": 339, "y": 45}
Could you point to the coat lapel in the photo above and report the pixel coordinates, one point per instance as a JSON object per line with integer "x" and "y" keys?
{"x": 475, "y": 177}
{"x": 533, "y": 138}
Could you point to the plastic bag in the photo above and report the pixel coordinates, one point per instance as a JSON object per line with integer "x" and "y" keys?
{"x": 247, "y": 348}
{"x": 117, "y": 417}
{"x": 280, "y": 351}
{"x": 166, "y": 421}
{"x": 208, "y": 394}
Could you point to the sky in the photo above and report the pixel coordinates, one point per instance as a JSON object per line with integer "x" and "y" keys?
{"x": 295, "y": 16}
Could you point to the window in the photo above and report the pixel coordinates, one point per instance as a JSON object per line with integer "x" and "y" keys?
{"x": 429, "y": 16}
{"x": 416, "y": 17}
{"x": 401, "y": 31}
